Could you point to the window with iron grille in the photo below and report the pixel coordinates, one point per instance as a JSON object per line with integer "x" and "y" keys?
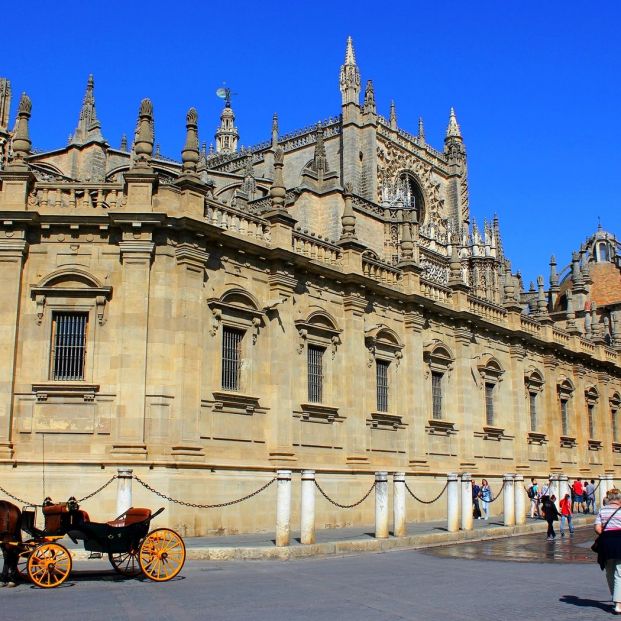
{"x": 68, "y": 345}
{"x": 436, "y": 395}
{"x": 564, "y": 418}
{"x": 315, "y": 373}
{"x": 381, "y": 373}
{"x": 231, "y": 358}
{"x": 489, "y": 403}
{"x": 533, "y": 410}
{"x": 590, "y": 410}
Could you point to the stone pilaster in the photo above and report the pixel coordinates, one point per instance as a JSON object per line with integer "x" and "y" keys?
{"x": 16, "y": 186}
{"x": 355, "y": 406}
{"x": 464, "y": 400}
{"x": 13, "y": 252}
{"x": 520, "y": 416}
{"x": 552, "y": 413}
{"x": 136, "y": 250}
{"x": 579, "y": 420}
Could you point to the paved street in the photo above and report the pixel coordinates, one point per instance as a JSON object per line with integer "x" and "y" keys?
{"x": 548, "y": 580}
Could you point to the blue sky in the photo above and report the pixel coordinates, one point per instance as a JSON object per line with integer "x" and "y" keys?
{"x": 535, "y": 86}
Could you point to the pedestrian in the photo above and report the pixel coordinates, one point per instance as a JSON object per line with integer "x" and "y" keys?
{"x": 533, "y": 495}
{"x": 476, "y": 510}
{"x": 589, "y": 490}
{"x": 578, "y": 494}
{"x": 551, "y": 513}
{"x": 486, "y": 497}
{"x": 608, "y": 527}
{"x": 566, "y": 514}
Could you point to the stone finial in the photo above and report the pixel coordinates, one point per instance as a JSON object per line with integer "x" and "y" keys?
{"x": 455, "y": 270}
{"x": 21, "y": 143}
{"x": 89, "y": 127}
{"x": 576, "y": 272}
{"x": 348, "y": 219}
{"x": 123, "y": 146}
{"x": 571, "y": 326}
{"x": 350, "y": 77}
{"x": 509, "y": 283}
{"x": 249, "y": 185}
{"x": 369, "y": 106}
{"x": 421, "y": 129}
{"x": 407, "y": 245}
{"x": 393, "y": 115}
{"x": 497, "y": 237}
{"x": 144, "y": 135}
{"x": 453, "y": 130}
{"x": 274, "y": 131}
{"x": 553, "y": 273}
{"x": 190, "y": 153}
{"x": 5, "y": 103}
{"x": 278, "y": 191}
{"x": 320, "y": 160}
{"x": 542, "y": 303}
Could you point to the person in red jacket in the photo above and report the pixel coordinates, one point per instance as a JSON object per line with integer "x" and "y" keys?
{"x": 565, "y": 505}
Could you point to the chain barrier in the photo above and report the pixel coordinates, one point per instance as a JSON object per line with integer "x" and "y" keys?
{"x": 99, "y": 489}
{"x": 425, "y": 502}
{"x": 20, "y": 500}
{"x": 195, "y": 505}
{"x": 497, "y": 496}
{"x": 336, "y": 504}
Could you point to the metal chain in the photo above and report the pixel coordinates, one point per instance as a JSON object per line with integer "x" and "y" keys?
{"x": 497, "y": 496}
{"x": 98, "y": 489}
{"x": 337, "y": 504}
{"x": 199, "y": 506}
{"x": 426, "y": 502}
{"x": 20, "y": 500}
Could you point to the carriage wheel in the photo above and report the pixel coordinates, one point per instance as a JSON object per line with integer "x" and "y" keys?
{"x": 161, "y": 554}
{"x": 22, "y": 564}
{"x": 49, "y": 565}
{"x": 125, "y": 563}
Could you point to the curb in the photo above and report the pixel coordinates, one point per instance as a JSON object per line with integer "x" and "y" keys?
{"x": 342, "y": 548}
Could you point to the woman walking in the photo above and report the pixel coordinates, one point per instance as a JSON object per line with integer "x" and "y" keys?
{"x": 608, "y": 527}
{"x": 486, "y": 498}
{"x": 551, "y": 514}
{"x": 566, "y": 514}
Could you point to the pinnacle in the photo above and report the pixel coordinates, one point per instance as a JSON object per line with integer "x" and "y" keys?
{"x": 453, "y": 130}
{"x": 350, "y": 56}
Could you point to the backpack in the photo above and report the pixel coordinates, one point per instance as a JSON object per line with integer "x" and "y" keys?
{"x": 531, "y": 492}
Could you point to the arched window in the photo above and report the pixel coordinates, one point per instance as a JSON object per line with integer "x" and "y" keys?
{"x": 615, "y": 408}
{"x": 411, "y": 195}
{"x": 565, "y": 390}
{"x": 440, "y": 362}
{"x": 603, "y": 252}
{"x": 533, "y": 383}
{"x": 591, "y": 397}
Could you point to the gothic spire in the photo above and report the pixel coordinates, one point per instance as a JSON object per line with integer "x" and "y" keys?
{"x": 369, "y": 99}
{"x": 350, "y": 77}
{"x": 274, "y": 131}
{"x": 143, "y": 146}
{"x": 5, "y": 104}
{"x": 393, "y": 115}
{"x": 278, "y": 190}
{"x": 497, "y": 237}
{"x": 453, "y": 131}
{"x": 421, "y": 129}
{"x": 89, "y": 127}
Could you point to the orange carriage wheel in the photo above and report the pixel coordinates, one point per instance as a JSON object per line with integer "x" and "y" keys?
{"x": 125, "y": 563}
{"x": 161, "y": 554}
{"x": 22, "y": 564}
{"x": 49, "y": 565}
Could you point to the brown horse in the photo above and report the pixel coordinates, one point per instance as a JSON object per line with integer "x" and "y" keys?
{"x": 10, "y": 531}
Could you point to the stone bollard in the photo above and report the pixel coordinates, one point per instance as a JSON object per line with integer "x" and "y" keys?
{"x": 398, "y": 505}
{"x": 124, "y": 480}
{"x": 466, "y": 501}
{"x": 563, "y": 486}
{"x": 555, "y": 488}
{"x": 452, "y": 502}
{"x": 508, "y": 500}
{"x": 283, "y": 507}
{"x": 603, "y": 482}
{"x": 307, "y": 518}
{"x": 520, "y": 499}
{"x": 381, "y": 505}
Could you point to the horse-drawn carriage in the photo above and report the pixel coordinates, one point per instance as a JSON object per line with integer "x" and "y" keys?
{"x": 131, "y": 548}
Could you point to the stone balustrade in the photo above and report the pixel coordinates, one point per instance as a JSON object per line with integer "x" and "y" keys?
{"x": 530, "y": 325}
{"x": 237, "y": 222}
{"x": 434, "y": 291}
{"x": 316, "y": 249}
{"x": 75, "y": 196}
{"x": 486, "y": 310}
{"x": 561, "y": 337}
{"x": 381, "y": 272}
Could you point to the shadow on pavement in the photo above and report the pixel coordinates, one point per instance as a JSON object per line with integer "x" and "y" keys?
{"x": 574, "y": 600}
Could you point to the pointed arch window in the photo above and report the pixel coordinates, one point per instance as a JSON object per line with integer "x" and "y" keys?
{"x": 410, "y": 195}
{"x": 565, "y": 390}
{"x": 439, "y": 360}
{"x": 533, "y": 383}
{"x": 615, "y": 408}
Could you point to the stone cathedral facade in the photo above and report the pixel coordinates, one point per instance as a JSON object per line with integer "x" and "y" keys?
{"x": 321, "y": 300}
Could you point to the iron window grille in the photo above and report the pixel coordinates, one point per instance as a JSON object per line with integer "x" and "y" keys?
{"x": 590, "y": 410}
{"x": 533, "y": 410}
{"x": 436, "y": 396}
{"x": 489, "y": 403}
{"x": 381, "y": 374}
{"x": 231, "y": 358}
{"x": 315, "y": 373}
{"x": 68, "y": 345}
{"x": 564, "y": 418}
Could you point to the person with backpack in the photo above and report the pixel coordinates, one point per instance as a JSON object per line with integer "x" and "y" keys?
{"x": 533, "y": 495}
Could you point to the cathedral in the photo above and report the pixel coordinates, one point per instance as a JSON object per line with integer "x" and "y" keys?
{"x": 322, "y": 300}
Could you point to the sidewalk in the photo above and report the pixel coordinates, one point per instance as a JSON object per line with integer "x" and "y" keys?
{"x": 342, "y": 541}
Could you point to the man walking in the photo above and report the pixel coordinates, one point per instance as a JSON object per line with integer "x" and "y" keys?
{"x": 589, "y": 490}
{"x": 578, "y": 494}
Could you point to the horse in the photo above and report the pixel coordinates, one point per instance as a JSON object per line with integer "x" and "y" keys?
{"x": 10, "y": 534}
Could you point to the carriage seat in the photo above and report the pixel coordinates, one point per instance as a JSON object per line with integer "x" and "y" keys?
{"x": 132, "y": 516}
{"x": 59, "y": 518}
